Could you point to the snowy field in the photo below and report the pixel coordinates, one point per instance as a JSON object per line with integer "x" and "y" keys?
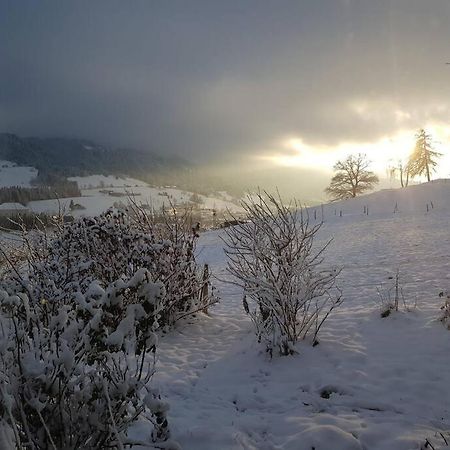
{"x": 13, "y": 175}
{"x": 95, "y": 201}
{"x": 371, "y": 383}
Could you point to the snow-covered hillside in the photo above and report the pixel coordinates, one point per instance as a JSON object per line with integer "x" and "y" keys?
{"x": 412, "y": 199}
{"x": 371, "y": 384}
{"x": 96, "y": 201}
{"x": 13, "y": 175}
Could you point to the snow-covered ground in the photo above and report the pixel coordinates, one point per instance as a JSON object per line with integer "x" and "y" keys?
{"x": 95, "y": 201}
{"x": 413, "y": 199}
{"x": 372, "y": 383}
{"x": 13, "y": 175}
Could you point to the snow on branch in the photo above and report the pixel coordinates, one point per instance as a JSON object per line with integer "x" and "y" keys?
{"x": 288, "y": 293}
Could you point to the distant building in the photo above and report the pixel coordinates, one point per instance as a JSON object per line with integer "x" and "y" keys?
{"x": 13, "y": 209}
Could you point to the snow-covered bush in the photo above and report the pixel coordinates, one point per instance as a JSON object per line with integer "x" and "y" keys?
{"x": 115, "y": 246}
{"x": 287, "y": 292}
{"x": 79, "y": 312}
{"x": 73, "y": 377}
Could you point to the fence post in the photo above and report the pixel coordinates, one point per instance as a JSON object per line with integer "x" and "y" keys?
{"x": 204, "y": 294}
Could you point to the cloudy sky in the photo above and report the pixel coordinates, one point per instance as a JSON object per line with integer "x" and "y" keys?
{"x": 289, "y": 83}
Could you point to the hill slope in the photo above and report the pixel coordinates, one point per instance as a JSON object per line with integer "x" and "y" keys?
{"x": 412, "y": 199}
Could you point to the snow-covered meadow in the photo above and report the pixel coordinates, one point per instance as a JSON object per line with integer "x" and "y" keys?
{"x": 101, "y": 192}
{"x": 372, "y": 383}
{"x": 96, "y": 196}
{"x": 13, "y": 175}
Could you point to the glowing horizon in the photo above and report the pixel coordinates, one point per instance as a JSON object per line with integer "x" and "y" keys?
{"x": 293, "y": 152}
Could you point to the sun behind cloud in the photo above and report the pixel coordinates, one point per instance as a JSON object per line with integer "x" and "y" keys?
{"x": 388, "y": 151}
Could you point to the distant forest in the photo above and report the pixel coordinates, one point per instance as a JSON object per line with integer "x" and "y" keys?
{"x": 78, "y": 157}
{"x": 59, "y": 158}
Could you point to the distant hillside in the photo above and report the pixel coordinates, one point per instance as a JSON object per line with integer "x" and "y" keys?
{"x": 63, "y": 157}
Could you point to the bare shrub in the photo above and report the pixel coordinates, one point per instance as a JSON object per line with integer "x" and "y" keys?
{"x": 288, "y": 294}
{"x": 445, "y": 308}
{"x": 392, "y": 298}
{"x": 439, "y": 441}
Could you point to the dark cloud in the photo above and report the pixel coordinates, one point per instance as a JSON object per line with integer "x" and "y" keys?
{"x": 214, "y": 80}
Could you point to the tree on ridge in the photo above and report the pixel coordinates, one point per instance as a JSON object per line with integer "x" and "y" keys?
{"x": 352, "y": 178}
{"x": 423, "y": 158}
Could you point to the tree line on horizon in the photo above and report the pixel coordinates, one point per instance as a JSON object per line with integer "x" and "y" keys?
{"x": 353, "y": 176}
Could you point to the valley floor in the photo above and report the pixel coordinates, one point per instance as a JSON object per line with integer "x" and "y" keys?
{"x": 387, "y": 379}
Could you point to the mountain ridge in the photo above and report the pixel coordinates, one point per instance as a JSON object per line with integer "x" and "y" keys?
{"x": 65, "y": 157}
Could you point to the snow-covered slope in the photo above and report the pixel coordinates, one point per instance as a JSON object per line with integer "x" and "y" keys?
{"x": 412, "y": 199}
{"x": 387, "y": 379}
{"x": 13, "y": 175}
{"x": 95, "y": 201}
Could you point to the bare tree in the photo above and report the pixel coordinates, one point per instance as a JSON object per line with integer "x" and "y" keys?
{"x": 287, "y": 293}
{"x": 423, "y": 158}
{"x": 352, "y": 178}
{"x": 404, "y": 171}
{"x": 400, "y": 170}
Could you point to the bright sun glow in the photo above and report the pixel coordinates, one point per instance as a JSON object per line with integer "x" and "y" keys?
{"x": 382, "y": 153}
